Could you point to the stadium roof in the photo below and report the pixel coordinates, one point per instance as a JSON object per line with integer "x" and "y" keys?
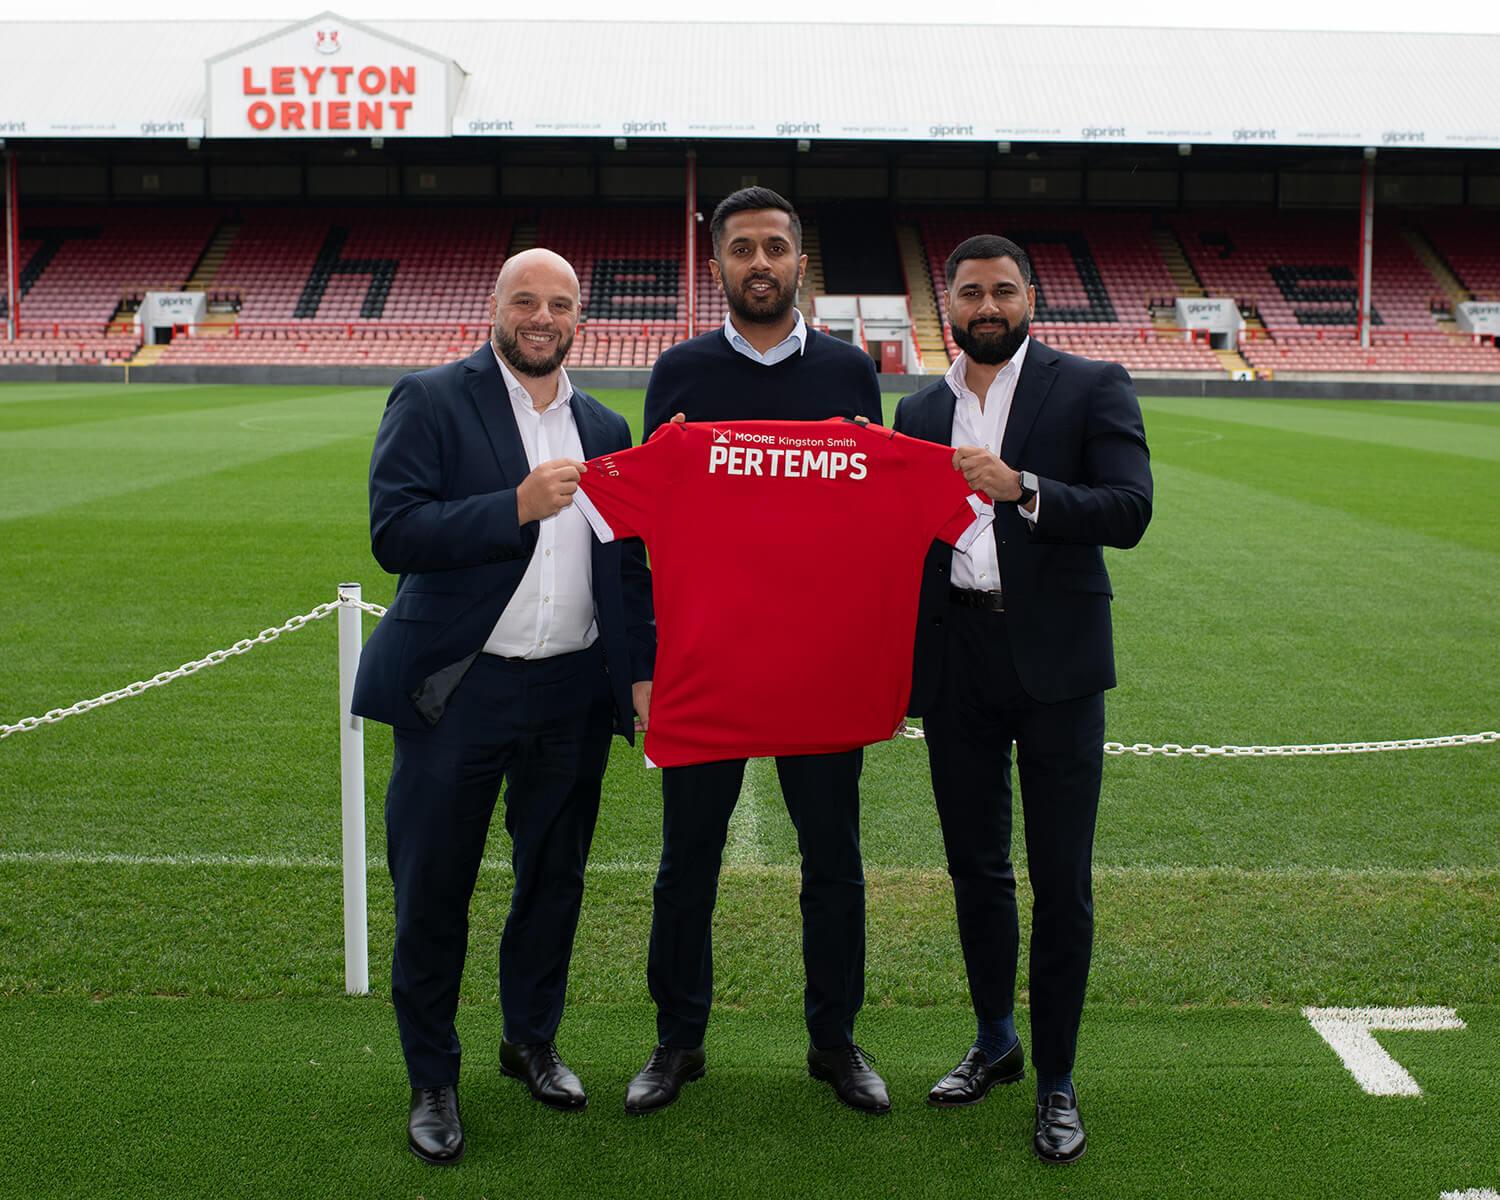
{"x": 709, "y": 80}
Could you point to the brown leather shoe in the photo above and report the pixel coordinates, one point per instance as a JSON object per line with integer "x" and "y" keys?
{"x": 971, "y": 1081}
{"x": 657, "y": 1083}
{"x": 433, "y": 1129}
{"x": 854, "y": 1081}
{"x": 540, "y": 1068}
{"x": 1059, "y": 1129}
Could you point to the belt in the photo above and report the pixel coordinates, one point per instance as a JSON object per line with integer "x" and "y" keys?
{"x": 988, "y": 601}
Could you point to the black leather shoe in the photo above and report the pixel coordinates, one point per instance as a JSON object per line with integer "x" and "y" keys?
{"x": 971, "y": 1081}
{"x": 1059, "y": 1129}
{"x": 544, "y": 1073}
{"x": 433, "y": 1130}
{"x": 854, "y": 1080}
{"x": 659, "y": 1081}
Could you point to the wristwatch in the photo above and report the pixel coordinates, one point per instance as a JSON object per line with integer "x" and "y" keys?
{"x": 1029, "y": 485}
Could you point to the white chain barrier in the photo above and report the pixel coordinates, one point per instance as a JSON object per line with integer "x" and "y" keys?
{"x": 1173, "y": 750}
{"x": 1139, "y": 749}
{"x": 212, "y": 659}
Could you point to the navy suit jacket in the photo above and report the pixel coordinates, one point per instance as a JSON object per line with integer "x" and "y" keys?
{"x": 1077, "y": 424}
{"x": 443, "y": 477}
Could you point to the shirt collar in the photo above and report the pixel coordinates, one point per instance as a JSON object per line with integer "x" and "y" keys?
{"x": 513, "y": 386}
{"x": 742, "y": 344}
{"x": 958, "y": 374}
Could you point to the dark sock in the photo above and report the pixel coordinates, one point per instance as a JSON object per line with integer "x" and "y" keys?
{"x": 996, "y": 1037}
{"x": 1047, "y": 1084}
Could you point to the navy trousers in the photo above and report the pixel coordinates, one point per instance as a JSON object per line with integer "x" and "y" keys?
{"x": 542, "y": 728}
{"x": 822, "y": 796}
{"x": 981, "y": 710}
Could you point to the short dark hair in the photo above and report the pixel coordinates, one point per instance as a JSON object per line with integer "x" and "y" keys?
{"x": 987, "y": 245}
{"x": 751, "y": 199}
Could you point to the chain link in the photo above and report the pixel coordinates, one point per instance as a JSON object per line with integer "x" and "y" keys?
{"x": 1173, "y": 750}
{"x": 212, "y": 659}
{"x": 1140, "y": 749}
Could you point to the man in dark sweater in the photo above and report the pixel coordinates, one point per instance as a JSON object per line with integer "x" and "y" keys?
{"x": 764, "y": 364}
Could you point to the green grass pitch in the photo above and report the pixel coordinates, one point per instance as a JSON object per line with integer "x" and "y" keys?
{"x": 172, "y": 1020}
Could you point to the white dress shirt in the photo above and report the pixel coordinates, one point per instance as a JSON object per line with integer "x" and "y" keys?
{"x": 552, "y": 610}
{"x": 794, "y": 342}
{"x": 978, "y": 568}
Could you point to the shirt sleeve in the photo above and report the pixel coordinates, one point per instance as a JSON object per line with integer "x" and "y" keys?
{"x": 948, "y": 506}
{"x": 619, "y": 493}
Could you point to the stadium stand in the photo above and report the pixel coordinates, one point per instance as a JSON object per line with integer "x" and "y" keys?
{"x": 392, "y": 286}
{"x": 1469, "y": 248}
{"x": 1096, "y": 274}
{"x": 81, "y": 265}
{"x": 383, "y": 287}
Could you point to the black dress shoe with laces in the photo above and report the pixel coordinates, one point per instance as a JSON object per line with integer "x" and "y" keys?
{"x": 1059, "y": 1129}
{"x": 971, "y": 1081}
{"x": 538, "y": 1066}
{"x": 659, "y": 1081}
{"x": 854, "y": 1080}
{"x": 433, "y": 1130}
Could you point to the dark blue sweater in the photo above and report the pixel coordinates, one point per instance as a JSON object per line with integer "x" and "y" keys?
{"x": 709, "y": 380}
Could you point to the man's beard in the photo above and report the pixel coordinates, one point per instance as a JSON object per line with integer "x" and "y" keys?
{"x": 987, "y": 348}
{"x": 515, "y": 357}
{"x": 760, "y": 312}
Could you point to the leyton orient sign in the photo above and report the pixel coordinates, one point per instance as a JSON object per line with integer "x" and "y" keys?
{"x": 330, "y": 77}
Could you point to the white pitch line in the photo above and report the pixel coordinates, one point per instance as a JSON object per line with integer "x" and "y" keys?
{"x": 743, "y": 844}
{"x": 744, "y": 840}
{"x": 1472, "y": 1194}
{"x": 1348, "y": 1032}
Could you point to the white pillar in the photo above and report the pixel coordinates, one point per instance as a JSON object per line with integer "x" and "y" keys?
{"x": 352, "y": 783}
{"x": 1366, "y": 244}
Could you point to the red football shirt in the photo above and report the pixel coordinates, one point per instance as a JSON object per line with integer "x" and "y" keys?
{"x": 786, "y": 561}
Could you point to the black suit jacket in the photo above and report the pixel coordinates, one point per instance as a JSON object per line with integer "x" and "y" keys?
{"x": 443, "y": 477}
{"x": 1077, "y": 424}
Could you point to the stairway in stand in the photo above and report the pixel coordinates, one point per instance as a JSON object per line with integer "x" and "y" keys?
{"x": 812, "y": 278}
{"x": 927, "y": 322}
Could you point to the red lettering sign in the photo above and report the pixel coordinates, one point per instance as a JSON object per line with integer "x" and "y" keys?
{"x": 261, "y": 114}
{"x": 282, "y": 82}
{"x": 250, "y": 88}
{"x": 403, "y": 79}
{"x": 370, "y": 115}
{"x": 338, "y": 114}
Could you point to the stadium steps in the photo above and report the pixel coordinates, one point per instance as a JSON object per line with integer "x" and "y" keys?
{"x": 1442, "y": 274}
{"x": 1184, "y": 278}
{"x": 147, "y": 355}
{"x": 926, "y": 320}
{"x": 522, "y": 237}
{"x": 812, "y": 278}
{"x": 206, "y": 269}
{"x": 1231, "y": 360}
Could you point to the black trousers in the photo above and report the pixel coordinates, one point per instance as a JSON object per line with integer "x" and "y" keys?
{"x": 822, "y": 797}
{"x": 981, "y": 710}
{"x": 542, "y": 728}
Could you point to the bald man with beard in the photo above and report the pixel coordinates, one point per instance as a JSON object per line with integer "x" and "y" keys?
{"x": 515, "y": 646}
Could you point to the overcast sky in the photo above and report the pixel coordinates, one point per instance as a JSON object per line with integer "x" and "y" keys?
{"x": 1448, "y": 16}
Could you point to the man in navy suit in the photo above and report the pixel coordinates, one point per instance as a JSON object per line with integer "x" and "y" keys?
{"x": 516, "y": 643}
{"x": 1014, "y": 646}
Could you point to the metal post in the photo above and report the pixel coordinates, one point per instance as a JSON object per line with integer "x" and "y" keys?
{"x": 692, "y": 242}
{"x": 12, "y": 250}
{"x": 1366, "y": 244}
{"x": 352, "y": 781}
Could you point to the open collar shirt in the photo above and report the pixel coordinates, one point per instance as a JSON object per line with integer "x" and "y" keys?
{"x": 978, "y": 568}
{"x": 552, "y": 609}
